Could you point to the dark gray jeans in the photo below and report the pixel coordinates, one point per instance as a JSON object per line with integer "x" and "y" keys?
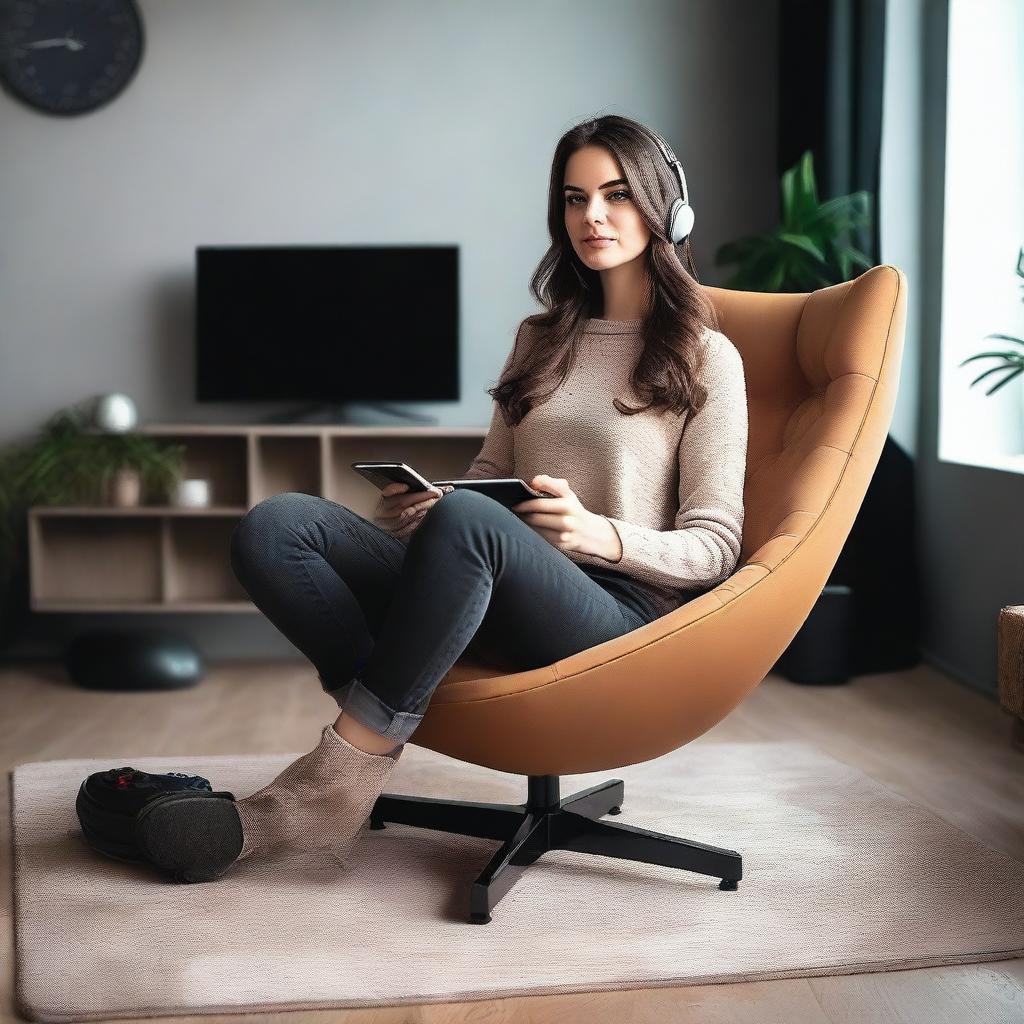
{"x": 383, "y": 621}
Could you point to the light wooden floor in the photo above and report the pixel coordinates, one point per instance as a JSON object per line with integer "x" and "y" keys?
{"x": 936, "y": 743}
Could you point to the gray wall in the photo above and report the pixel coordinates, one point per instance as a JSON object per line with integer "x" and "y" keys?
{"x": 305, "y": 122}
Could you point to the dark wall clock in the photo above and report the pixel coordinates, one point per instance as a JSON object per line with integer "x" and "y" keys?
{"x": 68, "y": 56}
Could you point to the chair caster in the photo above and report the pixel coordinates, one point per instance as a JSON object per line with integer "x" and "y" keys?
{"x": 479, "y": 918}
{"x": 615, "y": 810}
{"x": 376, "y": 824}
{"x": 728, "y": 883}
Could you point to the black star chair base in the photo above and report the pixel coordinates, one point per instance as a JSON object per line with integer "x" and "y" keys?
{"x": 546, "y": 823}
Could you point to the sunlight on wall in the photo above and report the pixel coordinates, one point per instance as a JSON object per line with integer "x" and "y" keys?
{"x": 983, "y": 233}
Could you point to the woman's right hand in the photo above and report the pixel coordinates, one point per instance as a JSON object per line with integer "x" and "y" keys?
{"x": 399, "y": 513}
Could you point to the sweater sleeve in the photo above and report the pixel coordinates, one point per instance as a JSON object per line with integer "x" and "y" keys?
{"x": 496, "y": 459}
{"x": 704, "y": 548}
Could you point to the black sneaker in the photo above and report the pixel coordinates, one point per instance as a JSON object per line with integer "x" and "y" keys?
{"x": 109, "y": 802}
{"x": 194, "y": 837}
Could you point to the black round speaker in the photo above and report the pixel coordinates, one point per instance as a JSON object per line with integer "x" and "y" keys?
{"x": 143, "y": 659}
{"x": 819, "y": 654}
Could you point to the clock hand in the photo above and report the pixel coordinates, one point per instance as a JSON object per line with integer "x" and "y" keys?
{"x": 43, "y": 44}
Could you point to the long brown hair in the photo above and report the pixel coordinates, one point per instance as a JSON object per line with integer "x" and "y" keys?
{"x": 679, "y": 310}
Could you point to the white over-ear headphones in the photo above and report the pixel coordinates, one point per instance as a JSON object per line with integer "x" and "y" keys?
{"x": 679, "y": 222}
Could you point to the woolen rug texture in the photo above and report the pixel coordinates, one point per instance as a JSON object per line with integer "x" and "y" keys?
{"x": 841, "y": 876}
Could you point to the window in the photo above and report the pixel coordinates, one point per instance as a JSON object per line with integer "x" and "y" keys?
{"x": 983, "y": 233}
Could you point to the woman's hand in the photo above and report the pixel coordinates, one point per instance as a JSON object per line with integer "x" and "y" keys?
{"x": 399, "y": 513}
{"x": 565, "y": 523}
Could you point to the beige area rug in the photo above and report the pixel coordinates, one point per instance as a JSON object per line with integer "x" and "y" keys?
{"x": 841, "y": 876}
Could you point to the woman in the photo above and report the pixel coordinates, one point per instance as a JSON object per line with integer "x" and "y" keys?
{"x": 622, "y": 399}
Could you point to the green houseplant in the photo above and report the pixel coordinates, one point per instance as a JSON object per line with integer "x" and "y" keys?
{"x": 810, "y": 249}
{"x": 70, "y": 462}
{"x": 1011, "y": 361}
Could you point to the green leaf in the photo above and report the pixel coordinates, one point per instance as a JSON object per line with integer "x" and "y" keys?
{"x": 800, "y": 277}
{"x": 1005, "y": 380}
{"x": 982, "y": 376}
{"x": 789, "y": 197}
{"x": 775, "y": 278}
{"x": 858, "y": 257}
{"x": 991, "y": 355}
{"x": 839, "y": 205}
{"x": 804, "y": 243}
{"x": 843, "y": 259}
{"x": 808, "y": 187}
{"x": 842, "y": 214}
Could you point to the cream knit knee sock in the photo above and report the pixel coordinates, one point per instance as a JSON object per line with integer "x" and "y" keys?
{"x": 320, "y": 801}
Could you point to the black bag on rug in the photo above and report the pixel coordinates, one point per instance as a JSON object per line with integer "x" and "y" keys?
{"x": 108, "y": 802}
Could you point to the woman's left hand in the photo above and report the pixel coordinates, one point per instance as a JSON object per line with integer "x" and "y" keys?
{"x": 564, "y": 522}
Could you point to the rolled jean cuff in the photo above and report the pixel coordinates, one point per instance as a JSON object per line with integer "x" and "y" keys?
{"x": 366, "y": 707}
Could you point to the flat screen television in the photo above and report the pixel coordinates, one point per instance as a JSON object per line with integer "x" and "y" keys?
{"x": 328, "y": 324}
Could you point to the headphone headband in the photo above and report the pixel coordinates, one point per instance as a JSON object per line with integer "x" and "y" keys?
{"x": 670, "y": 158}
{"x": 679, "y": 222}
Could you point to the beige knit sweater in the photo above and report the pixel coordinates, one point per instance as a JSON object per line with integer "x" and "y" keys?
{"x": 672, "y": 486}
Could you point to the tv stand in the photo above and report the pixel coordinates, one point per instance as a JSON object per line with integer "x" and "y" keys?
{"x": 360, "y": 413}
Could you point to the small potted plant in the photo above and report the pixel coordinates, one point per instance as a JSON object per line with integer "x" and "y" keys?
{"x": 810, "y": 249}
{"x": 71, "y": 462}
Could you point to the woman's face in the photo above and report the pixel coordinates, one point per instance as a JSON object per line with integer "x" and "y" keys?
{"x": 599, "y": 202}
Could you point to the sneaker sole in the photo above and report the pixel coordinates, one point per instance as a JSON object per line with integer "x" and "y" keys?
{"x": 193, "y": 838}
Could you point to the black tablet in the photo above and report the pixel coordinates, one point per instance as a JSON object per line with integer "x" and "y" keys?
{"x": 508, "y": 491}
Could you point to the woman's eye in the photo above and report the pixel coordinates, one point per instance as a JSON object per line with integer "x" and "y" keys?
{"x": 571, "y": 200}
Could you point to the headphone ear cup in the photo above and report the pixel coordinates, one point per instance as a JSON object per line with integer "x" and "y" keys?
{"x": 680, "y": 219}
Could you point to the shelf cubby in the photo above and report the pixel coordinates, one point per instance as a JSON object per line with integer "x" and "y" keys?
{"x": 93, "y": 562}
{"x": 222, "y": 459}
{"x": 286, "y": 464}
{"x": 196, "y": 561}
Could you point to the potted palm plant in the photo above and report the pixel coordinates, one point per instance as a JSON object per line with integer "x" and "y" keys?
{"x": 810, "y": 249}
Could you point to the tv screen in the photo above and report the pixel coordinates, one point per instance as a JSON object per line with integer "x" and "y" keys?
{"x": 327, "y": 323}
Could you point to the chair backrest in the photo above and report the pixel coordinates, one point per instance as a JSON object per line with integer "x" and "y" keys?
{"x": 822, "y": 371}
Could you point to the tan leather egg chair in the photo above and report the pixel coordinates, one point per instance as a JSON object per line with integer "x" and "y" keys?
{"x": 822, "y": 370}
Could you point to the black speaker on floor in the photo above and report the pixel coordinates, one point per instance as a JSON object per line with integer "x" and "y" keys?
{"x": 139, "y": 659}
{"x": 880, "y": 565}
{"x": 873, "y": 591}
{"x": 820, "y": 651}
